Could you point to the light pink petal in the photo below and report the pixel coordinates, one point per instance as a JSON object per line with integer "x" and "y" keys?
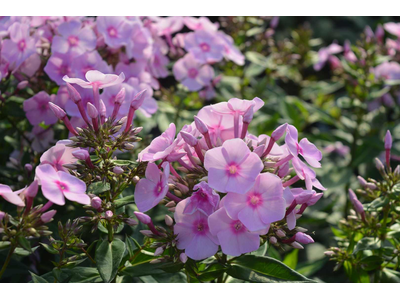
{"x": 229, "y": 242}
{"x": 250, "y": 218}
{"x": 248, "y": 242}
{"x": 234, "y": 203}
{"x": 217, "y": 179}
{"x": 80, "y": 198}
{"x": 218, "y": 221}
{"x": 291, "y": 220}
{"x": 185, "y": 235}
{"x": 215, "y": 159}
{"x": 236, "y": 151}
{"x": 201, "y": 247}
{"x": 13, "y": 198}
{"x": 73, "y": 184}
{"x": 59, "y": 45}
{"x": 144, "y": 194}
{"x": 153, "y": 173}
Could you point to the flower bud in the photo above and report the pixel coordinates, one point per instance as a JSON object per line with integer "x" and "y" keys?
{"x": 145, "y": 219}
{"x": 170, "y": 204}
{"x": 120, "y": 97}
{"x": 58, "y": 111}
{"x": 92, "y": 111}
{"x": 96, "y": 202}
{"x": 2, "y": 214}
{"x": 103, "y": 109}
{"x": 280, "y": 233}
{"x": 183, "y": 257}
{"x": 23, "y": 84}
{"x": 278, "y": 132}
{"x": 138, "y": 100}
{"x": 248, "y": 115}
{"x": 388, "y": 140}
{"x": 28, "y": 167}
{"x": 109, "y": 214}
{"x": 32, "y": 190}
{"x": 159, "y": 251}
{"x": 273, "y": 240}
{"x": 397, "y": 170}
{"x": 189, "y": 139}
{"x": 147, "y": 233}
{"x": 73, "y": 93}
{"x": 297, "y": 245}
{"x": 168, "y": 220}
{"x": 131, "y": 222}
{"x": 356, "y": 203}
{"x": 129, "y": 146}
{"x": 379, "y": 165}
{"x": 81, "y": 154}
{"x": 329, "y": 253}
{"x": 200, "y": 125}
{"x": 48, "y": 216}
{"x": 118, "y": 170}
{"x": 303, "y": 238}
{"x": 362, "y": 181}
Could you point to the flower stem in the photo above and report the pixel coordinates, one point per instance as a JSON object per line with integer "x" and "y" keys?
{"x": 8, "y": 259}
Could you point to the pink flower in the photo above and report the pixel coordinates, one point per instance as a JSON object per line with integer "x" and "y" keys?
{"x": 57, "y": 185}
{"x": 219, "y": 125}
{"x": 325, "y": 53}
{"x": 235, "y": 239}
{"x": 41, "y": 138}
{"x": 57, "y": 156}
{"x": 58, "y": 66}
{"x": 37, "y": 109}
{"x": 97, "y": 79}
{"x": 260, "y": 206}
{"x": 115, "y": 30}
{"x": 306, "y": 173}
{"x": 20, "y": 45}
{"x": 160, "y": 147}
{"x": 204, "y": 199}
{"x": 74, "y": 39}
{"x": 230, "y": 51}
{"x": 140, "y": 42}
{"x": 10, "y": 196}
{"x": 393, "y": 28}
{"x": 169, "y": 25}
{"x": 201, "y": 23}
{"x": 87, "y": 62}
{"x": 192, "y": 74}
{"x": 388, "y": 70}
{"x": 151, "y": 190}
{"x": 232, "y": 167}
{"x": 204, "y": 46}
{"x": 306, "y": 149}
{"x": 193, "y": 233}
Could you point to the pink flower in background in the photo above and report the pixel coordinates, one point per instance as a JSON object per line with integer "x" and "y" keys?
{"x": 306, "y": 149}
{"x": 169, "y": 25}
{"x": 140, "y": 42}
{"x": 96, "y": 79}
{"x": 160, "y": 147}
{"x": 235, "y": 239}
{"x": 37, "y": 109}
{"x": 158, "y": 63}
{"x": 232, "y": 167}
{"x": 204, "y": 46}
{"x": 20, "y": 45}
{"x": 192, "y": 74}
{"x": 201, "y": 23}
{"x": 151, "y": 190}
{"x": 325, "y": 53}
{"x": 41, "y": 138}
{"x": 73, "y": 39}
{"x": 204, "y": 199}
{"x": 388, "y": 70}
{"x": 30, "y": 65}
{"x": 56, "y": 186}
{"x": 88, "y": 62}
{"x": 193, "y": 233}
{"x": 115, "y": 30}
{"x": 260, "y": 206}
{"x": 393, "y": 28}
{"x": 10, "y": 196}
{"x": 306, "y": 173}
{"x": 230, "y": 52}
{"x": 58, "y": 66}
{"x": 57, "y": 156}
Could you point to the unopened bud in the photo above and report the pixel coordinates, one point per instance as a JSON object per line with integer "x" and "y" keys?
{"x": 109, "y": 214}
{"x": 159, "y": 251}
{"x": 168, "y": 220}
{"x": 362, "y": 181}
{"x": 28, "y": 167}
{"x": 73, "y": 93}
{"x": 118, "y": 170}
{"x": 81, "y": 154}
{"x": 48, "y": 216}
{"x": 200, "y": 125}
{"x": 356, "y": 203}
{"x": 280, "y": 233}
{"x": 329, "y": 253}
{"x": 138, "y": 100}
{"x": 32, "y": 190}
{"x": 120, "y": 97}
{"x": 170, "y": 204}
{"x": 388, "y": 140}
{"x": 297, "y": 245}
{"x": 103, "y": 109}
{"x": 96, "y": 202}
{"x": 58, "y": 111}
{"x": 147, "y": 233}
{"x": 273, "y": 240}
{"x": 379, "y": 165}
{"x": 131, "y": 222}
{"x": 303, "y": 238}
{"x": 189, "y": 139}
{"x": 23, "y": 84}
{"x": 183, "y": 257}
{"x": 145, "y": 219}
{"x": 129, "y": 146}
{"x": 248, "y": 115}
{"x": 92, "y": 111}
{"x": 278, "y": 132}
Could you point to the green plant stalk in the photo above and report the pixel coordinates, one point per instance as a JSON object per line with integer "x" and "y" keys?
{"x": 8, "y": 259}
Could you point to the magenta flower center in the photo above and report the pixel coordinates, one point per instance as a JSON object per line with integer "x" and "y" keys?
{"x": 233, "y": 169}
{"x": 112, "y": 32}
{"x": 73, "y": 40}
{"x": 237, "y": 227}
{"x": 200, "y": 226}
{"x": 62, "y": 186}
{"x": 158, "y": 189}
{"x": 64, "y": 70}
{"x": 254, "y": 200}
{"x": 204, "y": 47}
{"x": 192, "y": 73}
{"x": 21, "y": 45}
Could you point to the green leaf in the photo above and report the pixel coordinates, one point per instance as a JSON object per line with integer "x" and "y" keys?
{"x": 367, "y": 243}
{"x": 263, "y": 269}
{"x": 121, "y": 162}
{"x": 389, "y": 275}
{"x": 49, "y": 248}
{"x": 24, "y": 243}
{"x": 98, "y": 187}
{"x": 124, "y": 201}
{"x": 22, "y": 252}
{"x": 370, "y": 263}
{"x": 108, "y": 257}
{"x": 377, "y": 203}
{"x": 291, "y": 259}
{"x": 4, "y": 245}
{"x": 37, "y": 279}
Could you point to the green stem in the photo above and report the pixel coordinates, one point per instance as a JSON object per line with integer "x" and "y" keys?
{"x": 8, "y": 259}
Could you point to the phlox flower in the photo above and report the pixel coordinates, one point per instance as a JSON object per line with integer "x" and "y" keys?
{"x": 193, "y": 233}
{"x": 58, "y": 66}
{"x": 20, "y": 45}
{"x": 30, "y": 65}
{"x": 204, "y": 46}
{"x": 233, "y": 236}
{"x": 86, "y": 97}
{"x": 169, "y": 25}
{"x": 96, "y": 79}
{"x": 158, "y": 63}
{"x": 203, "y": 199}
{"x": 324, "y": 55}
{"x": 260, "y": 206}
{"x": 87, "y": 62}
{"x": 56, "y": 186}
{"x": 41, "y": 138}
{"x": 191, "y": 73}
{"x": 115, "y": 30}
{"x": 388, "y": 70}
{"x": 37, "y": 109}
{"x": 232, "y": 167}
{"x": 57, "y": 156}
{"x": 73, "y": 39}
{"x": 149, "y": 105}
{"x": 10, "y": 196}
{"x": 393, "y": 28}
{"x": 151, "y": 190}
{"x": 201, "y": 23}
{"x": 307, "y": 174}
{"x": 230, "y": 51}
{"x": 140, "y": 42}
{"x": 305, "y": 148}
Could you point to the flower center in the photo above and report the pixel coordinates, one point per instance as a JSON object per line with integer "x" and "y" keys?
{"x": 73, "y": 40}
{"x": 254, "y": 200}
{"x": 192, "y": 73}
{"x": 204, "y": 47}
{"x": 62, "y": 186}
{"x": 64, "y": 70}
{"x": 237, "y": 227}
{"x": 233, "y": 169}
{"x": 112, "y": 32}
{"x": 21, "y": 45}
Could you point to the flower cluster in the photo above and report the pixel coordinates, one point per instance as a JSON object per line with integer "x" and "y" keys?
{"x": 227, "y": 187}
{"x": 139, "y": 49}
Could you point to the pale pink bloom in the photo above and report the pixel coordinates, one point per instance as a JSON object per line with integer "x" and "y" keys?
{"x": 393, "y": 28}
{"x": 57, "y": 185}
{"x": 204, "y": 46}
{"x": 201, "y": 23}
{"x": 158, "y": 63}
{"x": 139, "y": 45}
{"x": 169, "y": 25}
{"x": 57, "y": 156}
{"x": 260, "y": 206}
{"x": 193, "y": 233}
{"x": 30, "y": 65}
{"x": 236, "y": 106}
{"x": 20, "y": 45}
{"x": 58, "y": 66}
{"x": 325, "y": 53}
{"x": 388, "y": 70}
{"x": 232, "y": 167}
{"x": 37, "y": 109}
{"x": 233, "y": 236}
{"x": 41, "y": 138}
{"x": 160, "y": 147}
{"x": 73, "y": 39}
{"x": 203, "y": 199}
{"x": 151, "y": 190}
{"x": 88, "y": 62}
{"x": 192, "y": 74}
{"x": 220, "y": 126}
{"x": 115, "y": 30}
{"x": 10, "y": 196}
{"x": 307, "y": 174}
{"x": 230, "y": 51}
{"x": 96, "y": 79}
